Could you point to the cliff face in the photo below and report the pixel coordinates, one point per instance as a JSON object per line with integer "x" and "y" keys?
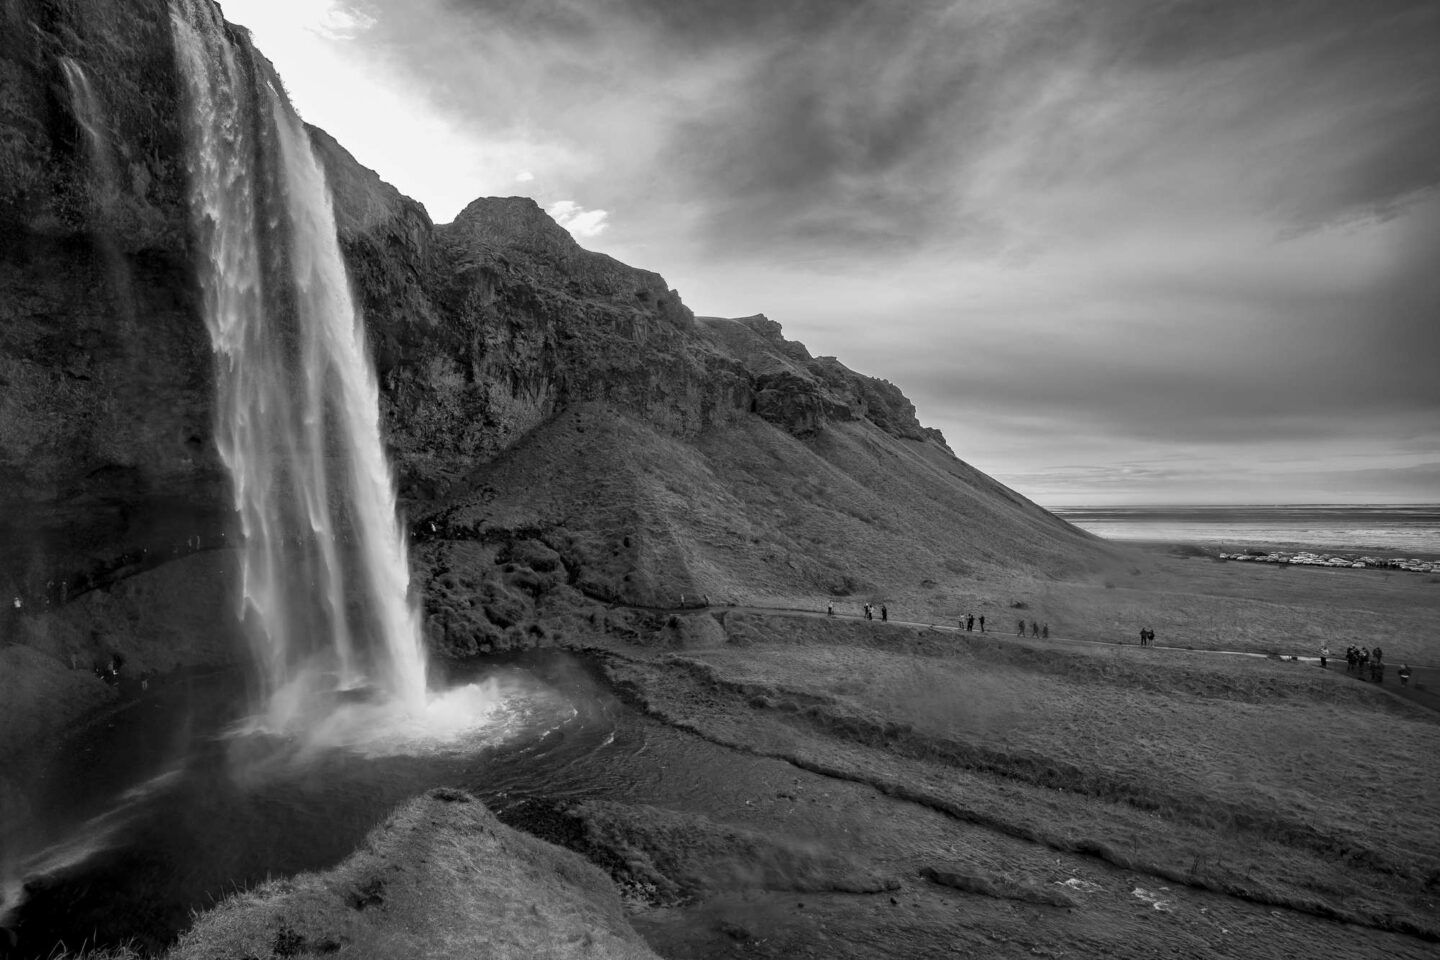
{"x": 485, "y": 327}
{"x": 106, "y": 450}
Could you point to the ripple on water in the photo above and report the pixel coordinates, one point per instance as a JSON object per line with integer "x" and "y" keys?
{"x": 462, "y": 720}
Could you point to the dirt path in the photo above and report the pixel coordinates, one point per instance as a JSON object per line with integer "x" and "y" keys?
{"x": 1422, "y": 690}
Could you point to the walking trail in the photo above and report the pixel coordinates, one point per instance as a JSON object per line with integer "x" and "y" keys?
{"x": 1423, "y": 689}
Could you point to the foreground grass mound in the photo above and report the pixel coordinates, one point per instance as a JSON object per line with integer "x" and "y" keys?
{"x": 440, "y": 878}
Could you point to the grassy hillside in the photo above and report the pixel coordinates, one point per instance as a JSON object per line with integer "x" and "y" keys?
{"x": 744, "y": 514}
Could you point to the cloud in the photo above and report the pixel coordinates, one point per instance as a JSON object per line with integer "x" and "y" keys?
{"x": 524, "y": 176}
{"x": 274, "y": 19}
{"x": 582, "y": 224}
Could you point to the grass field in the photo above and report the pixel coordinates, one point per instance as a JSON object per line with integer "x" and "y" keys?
{"x": 1269, "y": 782}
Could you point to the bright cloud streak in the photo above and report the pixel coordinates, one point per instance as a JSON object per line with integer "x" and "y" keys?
{"x": 583, "y": 224}
{"x": 364, "y": 99}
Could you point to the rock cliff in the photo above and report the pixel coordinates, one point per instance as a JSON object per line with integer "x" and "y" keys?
{"x": 485, "y": 327}
{"x": 105, "y": 387}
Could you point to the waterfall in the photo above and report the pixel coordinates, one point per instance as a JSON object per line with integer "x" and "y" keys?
{"x": 103, "y": 189}
{"x": 325, "y": 575}
{"x": 85, "y": 106}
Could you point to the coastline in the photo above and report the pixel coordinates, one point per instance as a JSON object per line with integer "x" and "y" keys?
{"x": 1214, "y": 548}
{"x": 1386, "y": 532}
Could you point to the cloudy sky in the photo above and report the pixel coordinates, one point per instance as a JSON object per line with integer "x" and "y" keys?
{"x": 1119, "y": 251}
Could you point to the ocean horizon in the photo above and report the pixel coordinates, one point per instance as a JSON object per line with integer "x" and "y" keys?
{"x": 1388, "y": 530}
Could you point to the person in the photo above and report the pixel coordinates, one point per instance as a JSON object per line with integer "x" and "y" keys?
{"x": 868, "y": 614}
{"x": 1376, "y": 655}
{"x": 1034, "y": 629}
{"x": 982, "y": 623}
{"x": 1404, "y": 674}
{"x": 1324, "y": 655}
{"x": 1142, "y": 636}
{"x": 830, "y": 609}
{"x": 969, "y": 622}
{"x": 1045, "y": 631}
{"x": 1020, "y": 629}
{"x": 884, "y": 613}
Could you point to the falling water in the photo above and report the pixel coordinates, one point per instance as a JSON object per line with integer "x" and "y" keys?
{"x": 325, "y": 594}
{"x": 103, "y": 188}
{"x": 325, "y": 574}
{"x": 86, "y": 108}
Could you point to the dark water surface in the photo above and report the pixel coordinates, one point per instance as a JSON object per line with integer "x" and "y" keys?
{"x": 1390, "y": 530}
{"x": 161, "y": 813}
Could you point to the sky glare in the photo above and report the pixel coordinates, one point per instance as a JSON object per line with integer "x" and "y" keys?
{"x": 1118, "y": 252}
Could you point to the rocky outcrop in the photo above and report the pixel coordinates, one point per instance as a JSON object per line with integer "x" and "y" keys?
{"x": 485, "y": 327}
{"x": 530, "y": 323}
{"x": 442, "y": 877}
{"x": 801, "y": 393}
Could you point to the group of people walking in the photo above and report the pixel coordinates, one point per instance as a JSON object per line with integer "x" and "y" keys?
{"x": 1369, "y": 663}
{"x": 1366, "y": 662}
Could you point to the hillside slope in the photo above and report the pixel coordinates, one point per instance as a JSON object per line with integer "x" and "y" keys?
{"x": 598, "y": 505}
{"x": 566, "y": 430}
